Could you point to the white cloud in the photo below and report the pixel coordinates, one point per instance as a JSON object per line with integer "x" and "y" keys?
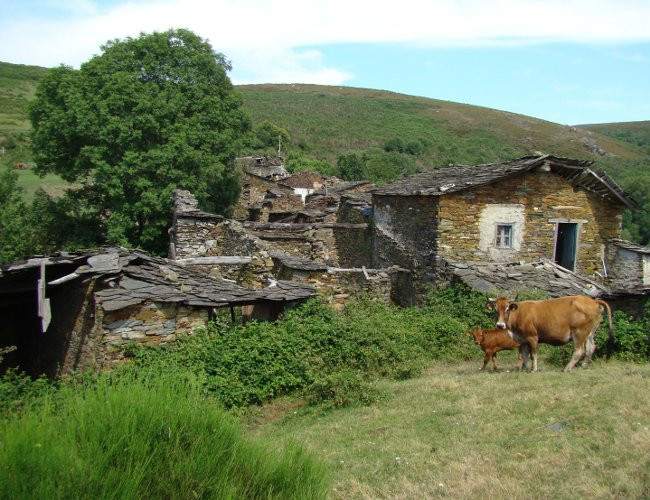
{"x": 265, "y": 39}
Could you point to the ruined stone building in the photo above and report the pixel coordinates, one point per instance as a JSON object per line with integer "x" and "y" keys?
{"x": 77, "y": 310}
{"x": 540, "y": 222}
{"x": 314, "y": 249}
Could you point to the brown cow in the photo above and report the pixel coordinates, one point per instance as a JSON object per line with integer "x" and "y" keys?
{"x": 493, "y": 341}
{"x": 555, "y": 322}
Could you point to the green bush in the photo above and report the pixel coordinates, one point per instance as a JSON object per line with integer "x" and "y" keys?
{"x": 144, "y": 435}
{"x": 631, "y": 338}
{"x": 315, "y": 349}
{"x": 19, "y": 391}
{"x": 342, "y": 388}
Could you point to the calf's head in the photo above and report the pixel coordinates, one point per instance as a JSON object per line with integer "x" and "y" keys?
{"x": 502, "y": 308}
{"x": 477, "y": 334}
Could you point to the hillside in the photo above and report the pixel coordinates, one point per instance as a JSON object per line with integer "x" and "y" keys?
{"x": 325, "y": 121}
{"x": 17, "y": 87}
{"x": 635, "y": 133}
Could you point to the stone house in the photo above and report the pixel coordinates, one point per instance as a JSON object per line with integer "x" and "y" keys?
{"x": 532, "y": 208}
{"x": 75, "y": 311}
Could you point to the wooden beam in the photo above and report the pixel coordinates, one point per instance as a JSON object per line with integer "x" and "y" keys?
{"x": 215, "y": 260}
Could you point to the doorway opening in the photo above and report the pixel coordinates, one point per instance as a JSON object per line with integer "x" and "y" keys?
{"x": 566, "y": 245}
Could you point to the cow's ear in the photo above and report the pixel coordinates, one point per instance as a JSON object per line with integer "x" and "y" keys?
{"x": 512, "y": 306}
{"x": 490, "y": 305}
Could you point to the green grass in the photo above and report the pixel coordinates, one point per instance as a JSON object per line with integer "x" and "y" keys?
{"x": 144, "y": 436}
{"x": 459, "y": 433}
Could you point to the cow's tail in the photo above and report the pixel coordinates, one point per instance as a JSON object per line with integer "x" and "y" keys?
{"x": 610, "y": 340}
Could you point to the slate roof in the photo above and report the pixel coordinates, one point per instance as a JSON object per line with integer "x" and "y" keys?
{"x": 493, "y": 277}
{"x": 340, "y": 188}
{"x": 132, "y": 277}
{"x": 628, "y": 245}
{"x": 461, "y": 177}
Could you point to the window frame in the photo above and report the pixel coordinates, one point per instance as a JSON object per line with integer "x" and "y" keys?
{"x": 498, "y": 238}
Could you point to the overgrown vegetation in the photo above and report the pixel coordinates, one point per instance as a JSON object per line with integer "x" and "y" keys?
{"x": 144, "y": 435}
{"x": 333, "y": 358}
{"x": 155, "y": 428}
{"x": 326, "y": 355}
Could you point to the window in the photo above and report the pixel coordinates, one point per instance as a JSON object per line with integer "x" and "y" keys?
{"x": 504, "y": 236}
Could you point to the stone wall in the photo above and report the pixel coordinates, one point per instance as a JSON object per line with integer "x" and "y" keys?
{"x": 337, "y": 286}
{"x": 150, "y": 323}
{"x": 534, "y": 204}
{"x": 625, "y": 266}
{"x": 253, "y": 191}
{"x": 406, "y": 231}
{"x": 355, "y": 245}
{"x": 310, "y": 242}
{"x": 205, "y": 237}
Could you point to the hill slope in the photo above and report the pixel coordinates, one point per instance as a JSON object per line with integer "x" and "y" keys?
{"x": 635, "y": 133}
{"x": 325, "y": 121}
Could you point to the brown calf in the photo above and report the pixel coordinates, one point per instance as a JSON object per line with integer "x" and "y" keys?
{"x": 493, "y": 341}
{"x": 555, "y": 321}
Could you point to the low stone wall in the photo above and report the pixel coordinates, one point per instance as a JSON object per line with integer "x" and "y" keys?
{"x": 150, "y": 323}
{"x": 337, "y": 285}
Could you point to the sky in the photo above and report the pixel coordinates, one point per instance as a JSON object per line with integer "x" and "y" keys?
{"x": 566, "y": 61}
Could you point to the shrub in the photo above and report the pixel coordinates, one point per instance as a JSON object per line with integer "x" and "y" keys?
{"x": 343, "y": 388}
{"x": 19, "y": 391}
{"x": 395, "y": 144}
{"x": 313, "y": 349}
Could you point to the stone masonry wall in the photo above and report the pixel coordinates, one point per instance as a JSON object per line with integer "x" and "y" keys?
{"x": 625, "y": 267}
{"x": 337, "y": 287}
{"x": 150, "y": 323}
{"x": 538, "y": 200}
{"x": 254, "y": 189}
{"x": 314, "y": 243}
{"x": 406, "y": 231}
{"x": 202, "y": 237}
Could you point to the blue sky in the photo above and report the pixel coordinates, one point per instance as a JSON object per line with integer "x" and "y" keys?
{"x": 567, "y": 61}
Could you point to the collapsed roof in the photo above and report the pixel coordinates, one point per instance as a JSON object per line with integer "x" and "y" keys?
{"x": 133, "y": 277}
{"x": 493, "y": 277}
{"x": 461, "y": 177}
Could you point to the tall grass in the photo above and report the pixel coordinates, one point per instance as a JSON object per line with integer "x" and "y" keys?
{"x": 145, "y": 435}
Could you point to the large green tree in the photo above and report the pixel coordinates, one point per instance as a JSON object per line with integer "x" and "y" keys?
{"x": 146, "y": 116}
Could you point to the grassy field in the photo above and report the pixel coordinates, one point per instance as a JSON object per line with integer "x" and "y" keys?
{"x": 459, "y": 433}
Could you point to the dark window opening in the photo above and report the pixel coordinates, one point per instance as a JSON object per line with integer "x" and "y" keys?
{"x": 566, "y": 245}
